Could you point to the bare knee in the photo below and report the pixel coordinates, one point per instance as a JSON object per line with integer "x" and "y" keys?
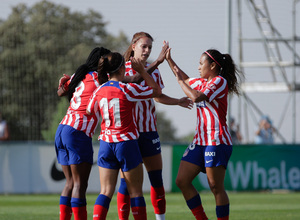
{"x": 216, "y": 188}
{"x": 181, "y": 183}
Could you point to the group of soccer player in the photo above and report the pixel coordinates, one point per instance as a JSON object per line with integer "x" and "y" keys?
{"x": 122, "y": 90}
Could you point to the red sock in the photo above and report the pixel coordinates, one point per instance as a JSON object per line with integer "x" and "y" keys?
{"x": 65, "y": 212}
{"x": 199, "y": 213}
{"x": 224, "y": 218}
{"x": 139, "y": 213}
{"x": 80, "y": 213}
{"x": 158, "y": 199}
{"x": 123, "y": 202}
{"x": 100, "y": 212}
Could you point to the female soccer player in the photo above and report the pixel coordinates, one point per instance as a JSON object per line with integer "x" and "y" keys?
{"x": 118, "y": 138}
{"x": 73, "y": 139}
{"x": 149, "y": 143}
{"x": 212, "y": 144}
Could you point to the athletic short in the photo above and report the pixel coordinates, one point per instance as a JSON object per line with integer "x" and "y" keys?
{"x": 72, "y": 146}
{"x": 149, "y": 144}
{"x": 123, "y": 155}
{"x": 208, "y": 156}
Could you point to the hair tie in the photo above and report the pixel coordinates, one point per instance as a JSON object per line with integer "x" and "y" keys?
{"x": 213, "y": 59}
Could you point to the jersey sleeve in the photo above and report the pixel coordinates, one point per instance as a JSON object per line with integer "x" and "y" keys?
{"x": 157, "y": 78}
{"x": 135, "y": 92}
{"x": 215, "y": 88}
{"x": 92, "y": 106}
{"x": 195, "y": 83}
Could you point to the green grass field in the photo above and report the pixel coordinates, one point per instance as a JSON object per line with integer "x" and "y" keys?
{"x": 250, "y": 205}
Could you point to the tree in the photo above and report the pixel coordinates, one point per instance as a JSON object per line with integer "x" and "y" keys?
{"x": 38, "y": 45}
{"x": 165, "y": 128}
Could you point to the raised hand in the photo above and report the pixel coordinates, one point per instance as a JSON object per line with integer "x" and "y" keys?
{"x": 163, "y": 52}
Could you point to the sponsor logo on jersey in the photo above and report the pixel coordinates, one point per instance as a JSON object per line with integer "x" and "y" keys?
{"x": 201, "y": 104}
{"x": 154, "y": 141}
{"x": 211, "y": 154}
{"x": 212, "y": 87}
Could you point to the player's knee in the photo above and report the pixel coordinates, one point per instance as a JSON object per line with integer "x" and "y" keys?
{"x": 181, "y": 183}
{"x": 216, "y": 188}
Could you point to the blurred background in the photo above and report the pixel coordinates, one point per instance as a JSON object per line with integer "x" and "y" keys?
{"x": 41, "y": 40}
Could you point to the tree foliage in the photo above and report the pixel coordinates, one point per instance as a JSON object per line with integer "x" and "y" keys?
{"x": 165, "y": 129}
{"x": 37, "y": 45}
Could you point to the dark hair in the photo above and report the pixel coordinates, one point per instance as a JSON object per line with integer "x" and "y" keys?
{"x": 129, "y": 52}
{"x": 91, "y": 64}
{"x": 226, "y": 68}
{"x": 109, "y": 64}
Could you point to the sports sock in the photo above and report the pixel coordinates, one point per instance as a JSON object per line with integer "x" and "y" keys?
{"x": 138, "y": 208}
{"x": 65, "y": 208}
{"x": 157, "y": 192}
{"x": 195, "y": 206}
{"x": 101, "y": 207}
{"x": 79, "y": 208}
{"x": 222, "y": 212}
{"x": 123, "y": 201}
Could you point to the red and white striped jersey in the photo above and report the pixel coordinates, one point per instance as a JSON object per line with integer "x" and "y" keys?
{"x": 116, "y": 102}
{"x": 76, "y": 115}
{"x": 145, "y": 110}
{"x": 211, "y": 115}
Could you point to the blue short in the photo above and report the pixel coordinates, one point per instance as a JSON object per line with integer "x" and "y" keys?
{"x": 123, "y": 155}
{"x": 149, "y": 144}
{"x": 72, "y": 146}
{"x": 208, "y": 156}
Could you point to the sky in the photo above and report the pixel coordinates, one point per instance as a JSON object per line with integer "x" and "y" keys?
{"x": 191, "y": 27}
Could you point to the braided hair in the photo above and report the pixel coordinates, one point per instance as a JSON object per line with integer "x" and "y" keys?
{"x": 91, "y": 64}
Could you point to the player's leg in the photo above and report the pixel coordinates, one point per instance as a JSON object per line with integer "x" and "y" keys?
{"x": 123, "y": 200}
{"x": 217, "y": 158}
{"x": 153, "y": 166}
{"x": 215, "y": 176}
{"x": 150, "y": 148}
{"x": 65, "y": 198}
{"x": 108, "y": 181}
{"x": 80, "y": 153}
{"x": 62, "y": 158}
{"x": 80, "y": 173}
{"x": 130, "y": 160}
{"x": 134, "y": 181}
{"x": 186, "y": 173}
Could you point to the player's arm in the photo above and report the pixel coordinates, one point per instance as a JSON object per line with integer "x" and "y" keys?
{"x": 137, "y": 65}
{"x": 194, "y": 95}
{"x": 184, "y": 102}
{"x": 160, "y": 59}
{"x": 177, "y": 72}
{"x": 62, "y": 89}
{"x": 183, "y": 81}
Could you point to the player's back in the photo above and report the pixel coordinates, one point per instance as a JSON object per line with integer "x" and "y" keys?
{"x": 117, "y": 112}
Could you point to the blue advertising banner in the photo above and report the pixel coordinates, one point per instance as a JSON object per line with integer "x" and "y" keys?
{"x": 253, "y": 167}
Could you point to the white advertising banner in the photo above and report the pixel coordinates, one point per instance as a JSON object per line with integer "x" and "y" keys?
{"x": 27, "y": 167}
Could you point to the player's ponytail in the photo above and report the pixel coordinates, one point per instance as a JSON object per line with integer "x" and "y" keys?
{"x": 91, "y": 64}
{"x": 226, "y": 68}
{"x": 109, "y": 65}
